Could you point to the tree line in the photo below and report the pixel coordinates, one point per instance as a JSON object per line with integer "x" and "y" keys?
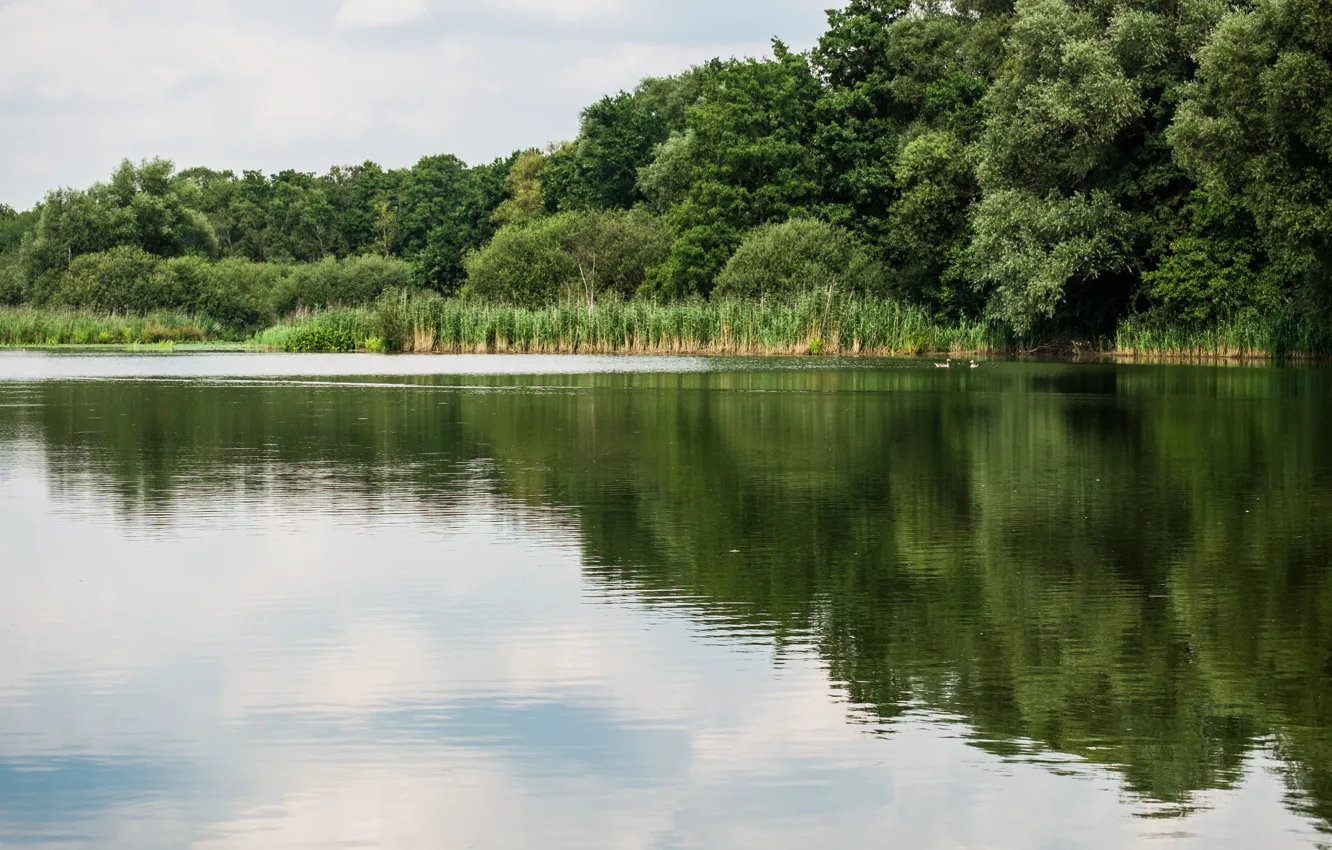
{"x": 1049, "y": 165}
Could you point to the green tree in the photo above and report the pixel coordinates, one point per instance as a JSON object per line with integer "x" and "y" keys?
{"x": 614, "y": 250}
{"x": 359, "y": 195}
{"x": 666, "y": 180}
{"x": 141, "y": 206}
{"x": 70, "y": 223}
{"x": 13, "y": 285}
{"x": 212, "y": 192}
{"x": 751, "y": 163}
{"x": 1257, "y": 124}
{"x": 618, "y": 137}
{"x": 249, "y": 217}
{"x": 927, "y": 226}
{"x": 14, "y": 226}
{"x": 300, "y": 219}
{"x": 522, "y": 189}
{"x": 444, "y": 211}
{"x": 1074, "y": 162}
{"x": 892, "y": 75}
{"x": 600, "y": 169}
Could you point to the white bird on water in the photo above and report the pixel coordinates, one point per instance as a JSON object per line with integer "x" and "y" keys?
{"x": 975, "y": 365}
{"x": 947, "y": 364}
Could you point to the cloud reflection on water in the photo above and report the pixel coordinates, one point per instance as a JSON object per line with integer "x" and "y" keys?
{"x": 293, "y": 666}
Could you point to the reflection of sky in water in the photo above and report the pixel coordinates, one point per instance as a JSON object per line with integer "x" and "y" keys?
{"x": 308, "y": 677}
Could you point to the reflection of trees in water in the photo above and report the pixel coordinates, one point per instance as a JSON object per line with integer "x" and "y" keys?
{"x": 1126, "y": 564}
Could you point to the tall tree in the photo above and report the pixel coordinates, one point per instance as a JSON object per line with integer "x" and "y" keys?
{"x": 1257, "y": 126}
{"x": 1074, "y": 161}
{"x": 752, "y": 163}
{"x": 900, "y": 108}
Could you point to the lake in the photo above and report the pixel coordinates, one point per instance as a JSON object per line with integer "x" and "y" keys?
{"x": 281, "y": 601}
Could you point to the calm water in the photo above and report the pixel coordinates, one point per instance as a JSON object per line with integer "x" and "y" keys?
{"x": 287, "y": 602}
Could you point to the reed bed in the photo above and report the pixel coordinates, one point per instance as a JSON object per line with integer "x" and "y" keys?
{"x": 1248, "y": 336}
{"x": 809, "y": 326}
{"x": 400, "y": 322}
{"x": 32, "y": 327}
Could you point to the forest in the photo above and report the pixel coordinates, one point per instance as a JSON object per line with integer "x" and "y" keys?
{"x": 1043, "y": 169}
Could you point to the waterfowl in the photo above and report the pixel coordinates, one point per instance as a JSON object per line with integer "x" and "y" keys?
{"x": 947, "y": 364}
{"x": 975, "y": 365}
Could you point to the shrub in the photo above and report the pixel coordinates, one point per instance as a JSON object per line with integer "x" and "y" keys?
{"x": 329, "y": 331}
{"x": 121, "y": 280}
{"x": 238, "y": 293}
{"x": 393, "y": 317}
{"x": 570, "y": 256}
{"x": 799, "y": 257}
{"x": 180, "y": 281}
{"x": 12, "y": 286}
{"x": 614, "y": 250}
{"x": 315, "y": 338}
{"x": 525, "y": 265}
{"x": 355, "y": 281}
{"x": 1216, "y": 269}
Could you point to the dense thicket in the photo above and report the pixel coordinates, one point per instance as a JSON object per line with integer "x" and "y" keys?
{"x": 1054, "y": 166}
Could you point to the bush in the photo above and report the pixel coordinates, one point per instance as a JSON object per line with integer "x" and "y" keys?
{"x": 12, "y": 286}
{"x": 570, "y": 256}
{"x": 355, "y": 281}
{"x": 121, "y": 280}
{"x": 614, "y": 250}
{"x": 393, "y": 317}
{"x": 314, "y": 338}
{"x": 799, "y": 257}
{"x": 239, "y": 292}
{"x": 181, "y": 281}
{"x": 1216, "y": 269}
{"x": 329, "y": 331}
{"x": 525, "y": 265}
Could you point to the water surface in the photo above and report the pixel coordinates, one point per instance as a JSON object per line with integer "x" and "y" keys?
{"x": 513, "y": 602}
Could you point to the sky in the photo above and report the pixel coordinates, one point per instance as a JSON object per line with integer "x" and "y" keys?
{"x": 305, "y": 84}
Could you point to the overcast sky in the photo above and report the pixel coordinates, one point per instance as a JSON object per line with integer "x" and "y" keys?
{"x": 305, "y": 84}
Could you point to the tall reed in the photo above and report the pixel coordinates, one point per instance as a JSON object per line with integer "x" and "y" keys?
{"x": 812, "y": 324}
{"x": 1248, "y": 335}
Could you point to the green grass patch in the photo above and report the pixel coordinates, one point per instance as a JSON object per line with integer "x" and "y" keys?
{"x": 336, "y": 330}
{"x": 23, "y": 326}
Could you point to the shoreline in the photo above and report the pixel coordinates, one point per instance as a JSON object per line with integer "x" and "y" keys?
{"x": 809, "y": 328}
{"x": 986, "y": 356}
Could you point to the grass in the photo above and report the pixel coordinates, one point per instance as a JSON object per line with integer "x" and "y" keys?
{"x": 23, "y": 326}
{"x": 327, "y": 330}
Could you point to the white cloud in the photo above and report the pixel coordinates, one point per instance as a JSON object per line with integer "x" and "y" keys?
{"x": 568, "y": 11}
{"x": 379, "y": 13}
{"x": 247, "y": 84}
